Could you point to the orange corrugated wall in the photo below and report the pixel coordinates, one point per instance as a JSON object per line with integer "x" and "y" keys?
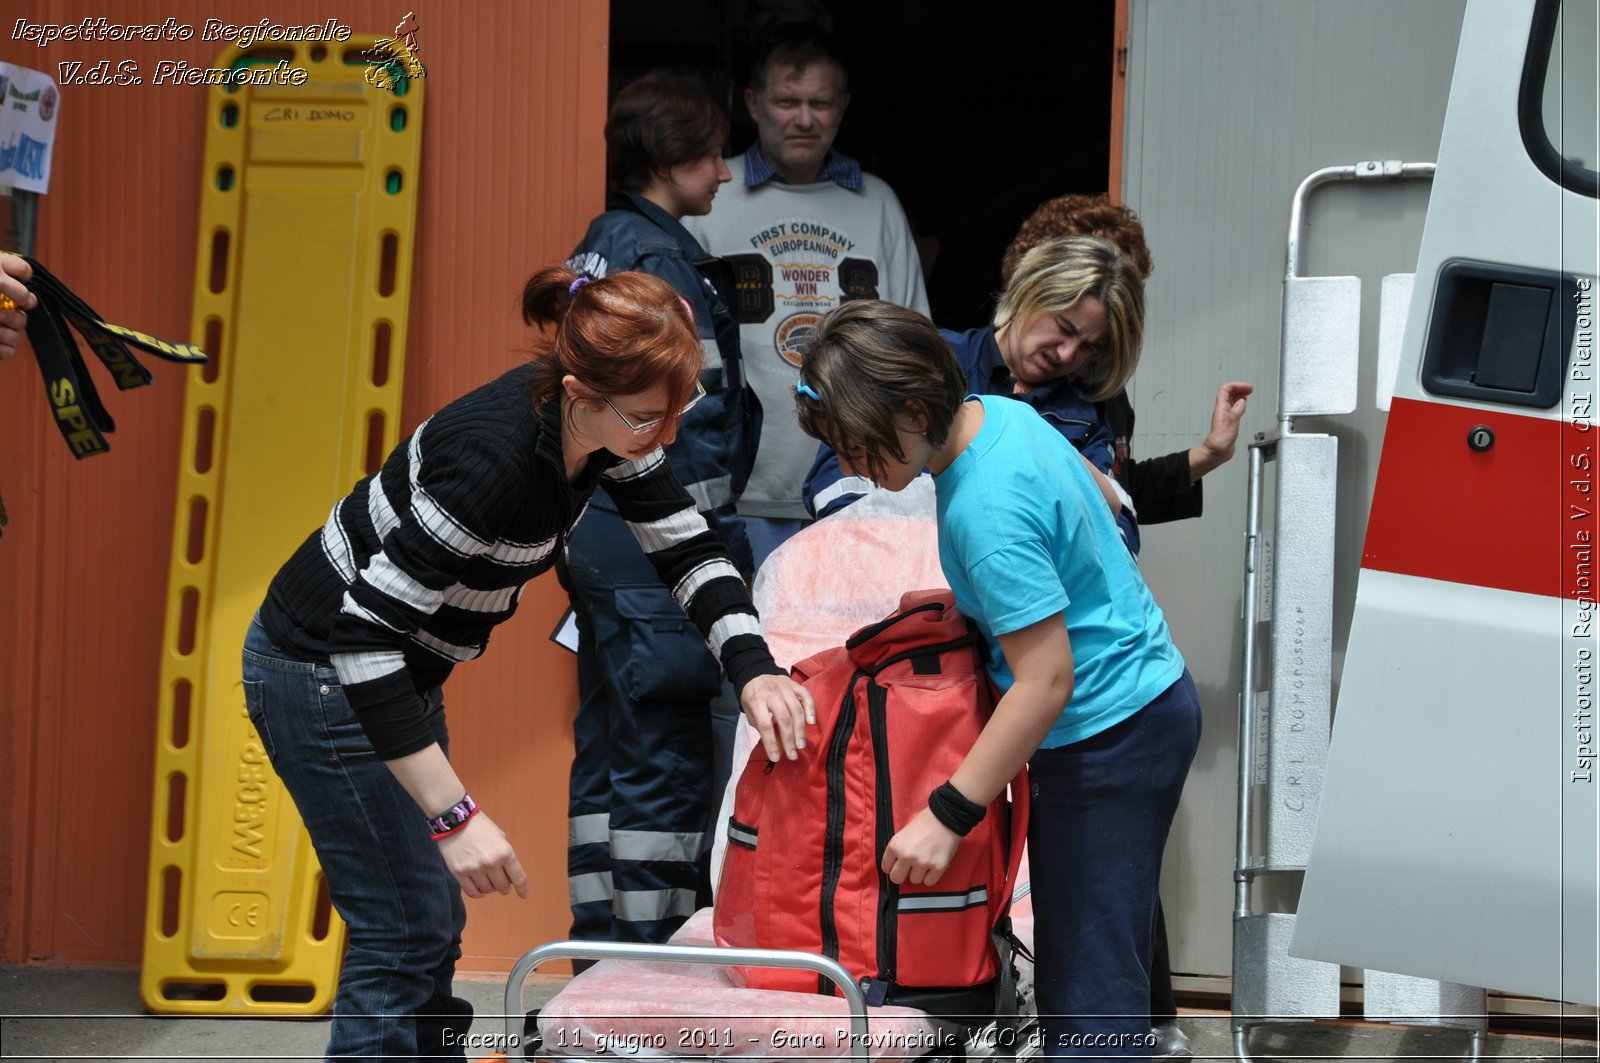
{"x": 513, "y": 163}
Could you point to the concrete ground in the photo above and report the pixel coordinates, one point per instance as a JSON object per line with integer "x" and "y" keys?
{"x": 89, "y": 1016}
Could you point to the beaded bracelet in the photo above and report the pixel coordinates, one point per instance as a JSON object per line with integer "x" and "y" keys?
{"x": 453, "y": 818}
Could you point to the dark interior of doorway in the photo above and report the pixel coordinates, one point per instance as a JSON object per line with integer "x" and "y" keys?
{"x": 974, "y": 113}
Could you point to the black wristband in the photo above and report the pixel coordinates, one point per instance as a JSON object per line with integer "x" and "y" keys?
{"x": 950, "y": 807}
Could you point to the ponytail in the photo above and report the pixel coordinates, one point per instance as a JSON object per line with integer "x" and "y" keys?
{"x": 545, "y": 296}
{"x": 544, "y": 304}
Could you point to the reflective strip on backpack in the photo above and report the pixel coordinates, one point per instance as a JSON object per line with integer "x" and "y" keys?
{"x": 977, "y": 897}
{"x": 741, "y": 834}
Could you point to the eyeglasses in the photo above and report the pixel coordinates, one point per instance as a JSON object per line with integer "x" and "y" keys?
{"x": 646, "y": 426}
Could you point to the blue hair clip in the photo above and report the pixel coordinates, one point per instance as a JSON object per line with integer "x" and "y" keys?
{"x": 802, "y": 388}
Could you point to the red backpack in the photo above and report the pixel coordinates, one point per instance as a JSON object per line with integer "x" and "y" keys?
{"x": 898, "y": 707}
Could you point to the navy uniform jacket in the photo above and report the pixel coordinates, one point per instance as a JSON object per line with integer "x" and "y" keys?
{"x": 716, "y": 442}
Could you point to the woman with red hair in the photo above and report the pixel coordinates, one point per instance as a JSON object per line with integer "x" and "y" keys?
{"x": 346, "y": 659}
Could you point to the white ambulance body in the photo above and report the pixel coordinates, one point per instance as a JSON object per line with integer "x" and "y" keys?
{"x": 1456, "y": 838}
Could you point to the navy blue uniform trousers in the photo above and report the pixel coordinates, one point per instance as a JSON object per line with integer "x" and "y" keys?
{"x": 641, "y": 789}
{"x": 1101, "y": 811}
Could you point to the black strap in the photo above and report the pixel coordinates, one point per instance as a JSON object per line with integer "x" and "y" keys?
{"x": 80, "y": 415}
{"x": 1008, "y": 1023}
{"x": 125, "y": 369}
{"x": 105, "y": 337}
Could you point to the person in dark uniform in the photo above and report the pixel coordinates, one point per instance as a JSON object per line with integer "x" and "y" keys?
{"x": 656, "y": 722}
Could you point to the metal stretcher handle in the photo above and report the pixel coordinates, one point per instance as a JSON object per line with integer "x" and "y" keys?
{"x": 711, "y": 954}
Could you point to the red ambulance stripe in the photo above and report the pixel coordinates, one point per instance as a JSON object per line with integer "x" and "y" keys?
{"x": 1519, "y": 516}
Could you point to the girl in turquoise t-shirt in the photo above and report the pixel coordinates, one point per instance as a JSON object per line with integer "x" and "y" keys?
{"x": 1095, "y": 697}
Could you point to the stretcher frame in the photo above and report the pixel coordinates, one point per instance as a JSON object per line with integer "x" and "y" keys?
{"x": 698, "y": 954}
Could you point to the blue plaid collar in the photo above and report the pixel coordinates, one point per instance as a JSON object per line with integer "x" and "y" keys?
{"x": 841, "y": 169}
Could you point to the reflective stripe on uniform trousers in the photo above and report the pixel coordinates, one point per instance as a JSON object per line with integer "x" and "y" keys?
{"x": 590, "y": 888}
{"x": 656, "y": 845}
{"x": 595, "y": 829}
{"x": 633, "y": 845}
{"x": 632, "y": 906}
{"x": 648, "y": 906}
{"x": 592, "y": 829}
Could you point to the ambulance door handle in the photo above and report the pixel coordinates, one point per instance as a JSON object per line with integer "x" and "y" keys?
{"x": 1500, "y": 334}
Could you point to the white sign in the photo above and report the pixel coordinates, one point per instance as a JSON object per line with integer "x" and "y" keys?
{"x": 566, "y": 633}
{"x": 29, "y": 104}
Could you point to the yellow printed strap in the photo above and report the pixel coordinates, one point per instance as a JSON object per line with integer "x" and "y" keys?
{"x": 104, "y": 337}
{"x": 79, "y": 414}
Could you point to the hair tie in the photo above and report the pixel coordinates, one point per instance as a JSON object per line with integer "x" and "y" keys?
{"x": 572, "y": 289}
{"x": 687, "y": 308}
{"x": 801, "y": 387}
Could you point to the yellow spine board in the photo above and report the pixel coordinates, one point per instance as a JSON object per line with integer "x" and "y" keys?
{"x": 302, "y": 281}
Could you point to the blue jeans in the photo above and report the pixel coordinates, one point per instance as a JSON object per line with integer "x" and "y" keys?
{"x": 383, "y": 868}
{"x": 1101, "y": 811}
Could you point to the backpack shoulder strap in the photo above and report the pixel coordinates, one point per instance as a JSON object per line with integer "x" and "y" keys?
{"x": 1020, "y": 800}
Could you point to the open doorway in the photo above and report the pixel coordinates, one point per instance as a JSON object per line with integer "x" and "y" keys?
{"x": 973, "y": 119}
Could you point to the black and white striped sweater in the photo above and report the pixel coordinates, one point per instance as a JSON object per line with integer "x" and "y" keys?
{"x": 420, "y": 561}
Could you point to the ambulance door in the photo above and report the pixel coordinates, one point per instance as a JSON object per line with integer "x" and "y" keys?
{"x": 1457, "y": 834}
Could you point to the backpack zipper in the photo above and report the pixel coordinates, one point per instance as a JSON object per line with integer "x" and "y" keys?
{"x": 867, "y": 634}
{"x": 888, "y": 892}
{"x": 833, "y": 839}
